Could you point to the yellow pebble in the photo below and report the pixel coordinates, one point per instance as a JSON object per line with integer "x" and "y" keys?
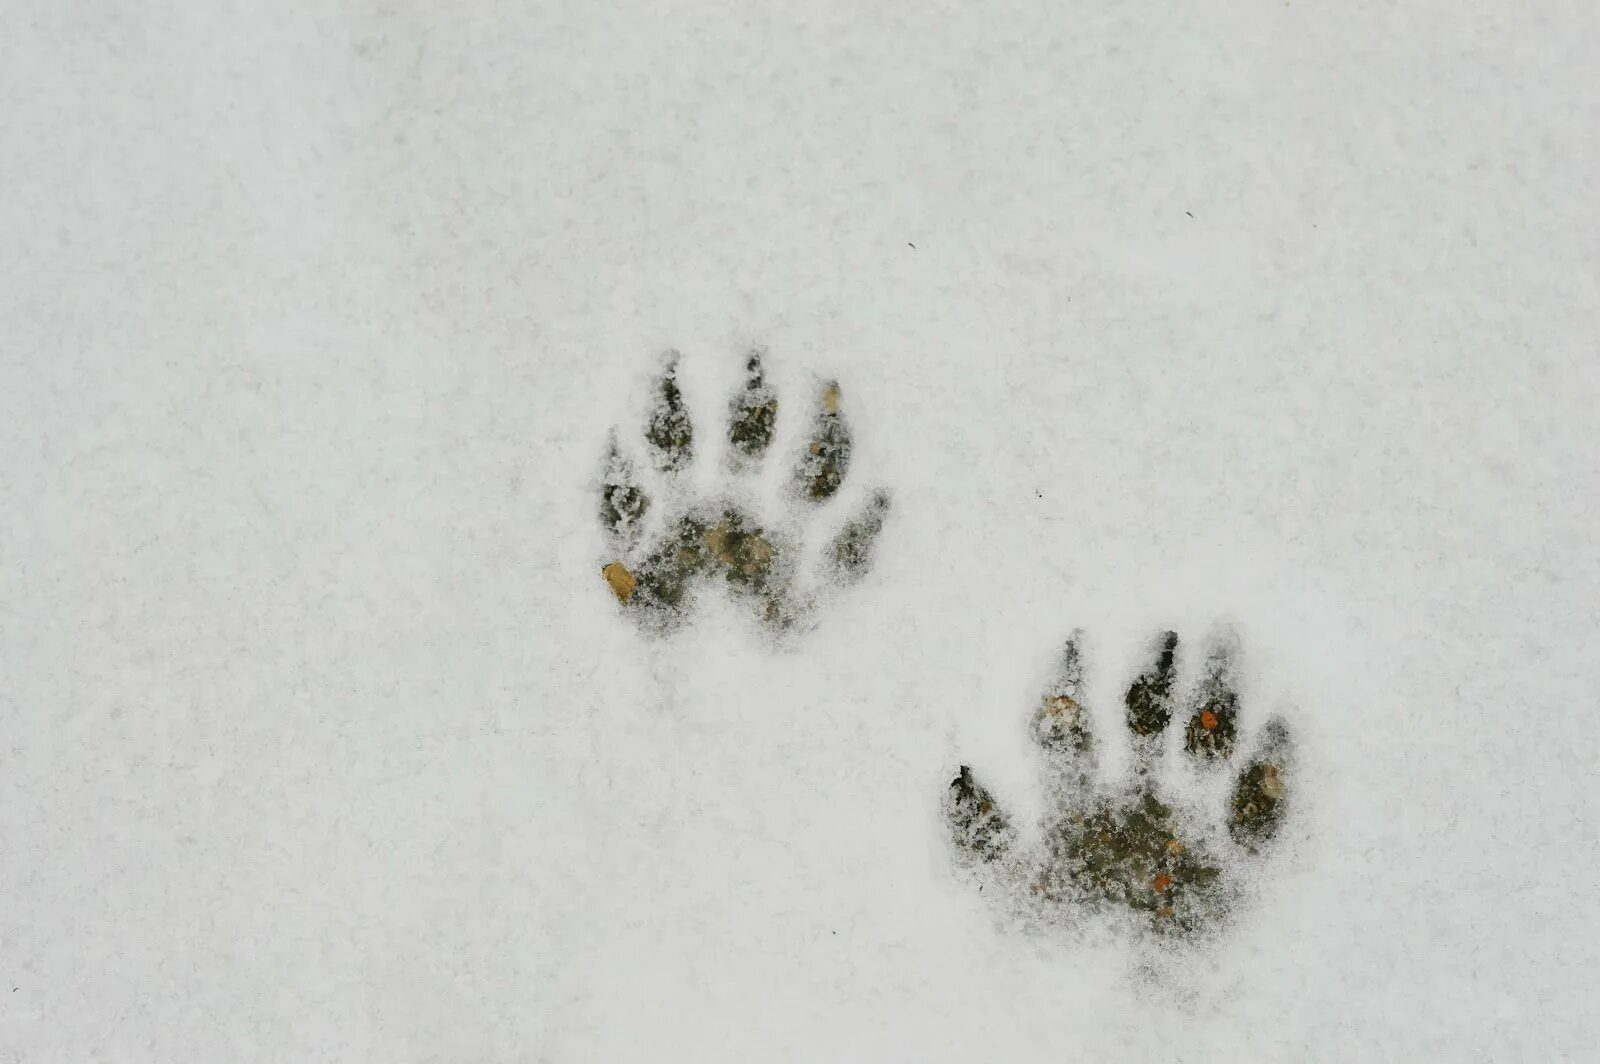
{"x": 622, "y": 582}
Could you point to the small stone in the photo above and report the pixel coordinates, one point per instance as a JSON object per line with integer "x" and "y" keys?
{"x": 622, "y": 582}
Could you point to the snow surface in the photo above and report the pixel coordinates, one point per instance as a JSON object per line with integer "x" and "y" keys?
{"x": 322, "y": 739}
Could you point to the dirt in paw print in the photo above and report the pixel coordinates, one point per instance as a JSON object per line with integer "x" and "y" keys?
{"x": 671, "y": 545}
{"x": 1131, "y": 849}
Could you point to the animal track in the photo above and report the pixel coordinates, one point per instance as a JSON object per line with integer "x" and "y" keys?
{"x": 1132, "y": 850}
{"x": 663, "y": 558}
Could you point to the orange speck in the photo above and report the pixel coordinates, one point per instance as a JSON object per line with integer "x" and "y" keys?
{"x": 1208, "y": 720}
{"x": 1174, "y": 847}
{"x": 1163, "y": 881}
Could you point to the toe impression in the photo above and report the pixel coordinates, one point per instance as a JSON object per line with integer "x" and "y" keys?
{"x": 826, "y": 458}
{"x": 978, "y": 827}
{"x": 1213, "y": 728}
{"x": 1261, "y": 793}
{"x": 669, "y": 430}
{"x": 1149, "y": 699}
{"x": 752, "y": 416}
{"x": 623, "y": 502}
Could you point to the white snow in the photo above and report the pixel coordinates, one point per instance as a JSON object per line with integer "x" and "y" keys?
{"x": 321, "y": 737}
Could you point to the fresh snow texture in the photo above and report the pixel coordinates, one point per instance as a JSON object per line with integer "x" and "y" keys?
{"x": 323, "y": 739}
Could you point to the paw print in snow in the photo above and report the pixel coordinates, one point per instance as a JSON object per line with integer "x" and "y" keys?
{"x": 663, "y": 559}
{"x": 1132, "y": 850}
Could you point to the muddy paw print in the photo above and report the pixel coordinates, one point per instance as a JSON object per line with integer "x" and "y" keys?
{"x": 1131, "y": 849}
{"x": 669, "y": 544}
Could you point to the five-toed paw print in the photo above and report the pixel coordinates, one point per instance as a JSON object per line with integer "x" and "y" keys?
{"x": 1131, "y": 849}
{"x": 665, "y": 553}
